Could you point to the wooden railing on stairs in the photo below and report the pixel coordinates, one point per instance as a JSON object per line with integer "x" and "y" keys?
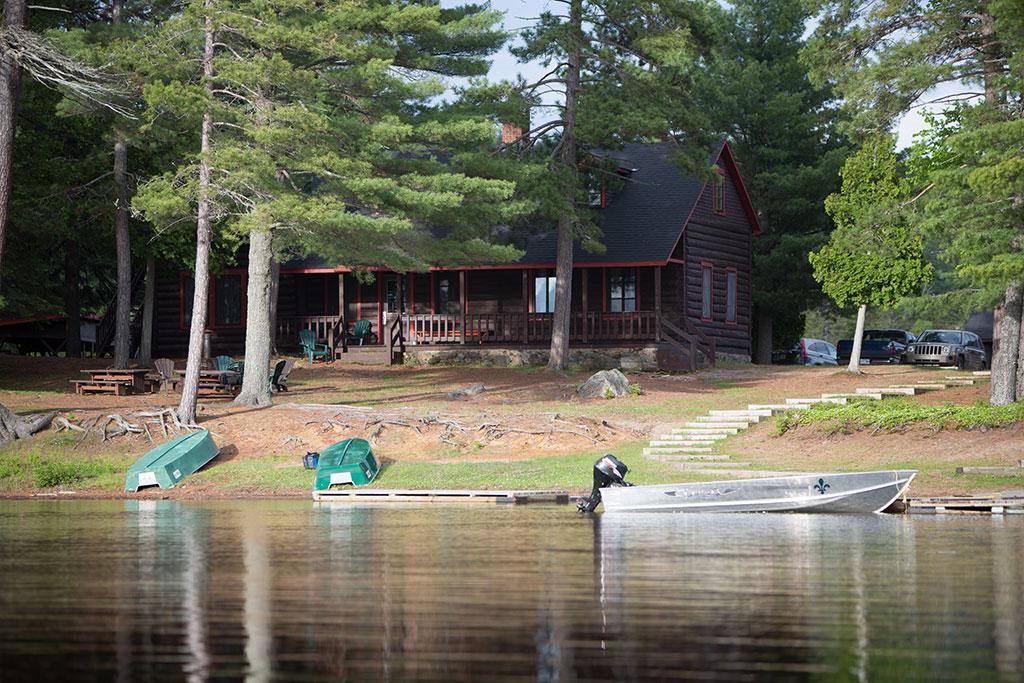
{"x": 394, "y": 342}
{"x": 690, "y": 342}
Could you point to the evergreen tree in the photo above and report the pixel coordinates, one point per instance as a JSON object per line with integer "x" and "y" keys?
{"x": 782, "y": 130}
{"x": 873, "y": 256}
{"x": 882, "y": 56}
{"x": 320, "y": 132}
{"x": 626, "y": 70}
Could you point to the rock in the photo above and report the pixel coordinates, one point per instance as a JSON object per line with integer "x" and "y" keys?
{"x": 466, "y": 392}
{"x": 604, "y": 383}
{"x": 630, "y": 363}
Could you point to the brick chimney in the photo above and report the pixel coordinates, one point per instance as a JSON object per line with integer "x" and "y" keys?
{"x": 510, "y": 132}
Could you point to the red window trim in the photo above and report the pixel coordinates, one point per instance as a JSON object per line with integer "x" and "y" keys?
{"x": 718, "y": 192}
{"x": 211, "y": 299}
{"x": 707, "y": 265}
{"x": 606, "y": 295}
{"x": 736, "y": 295}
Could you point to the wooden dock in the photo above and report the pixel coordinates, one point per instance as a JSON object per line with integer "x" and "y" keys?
{"x": 370, "y": 495}
{"x": 985, "y": 505}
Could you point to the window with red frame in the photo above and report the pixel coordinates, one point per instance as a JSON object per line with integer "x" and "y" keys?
{"x": 718, "y": 194}
{"x": 706, "y": 271}
{"x": 622, "y": 290}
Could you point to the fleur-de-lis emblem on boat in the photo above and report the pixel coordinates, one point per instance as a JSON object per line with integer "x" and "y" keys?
{"x": 821, "y": 486}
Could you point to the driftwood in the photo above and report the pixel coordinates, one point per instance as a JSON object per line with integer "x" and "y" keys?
{"x": 115, "y": 424}
{"x": 13, "y": 427}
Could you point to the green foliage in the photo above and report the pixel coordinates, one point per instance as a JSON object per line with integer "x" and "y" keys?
{"x": 635, "y": 389}
{"x": 872, "y": 257}
{"x": 894, "y": 414}
{"x": 10, "y": 466}
{"x": 608, "y": 393}
{"x": 786, "y": 144}
{"x": 51, "y": 473}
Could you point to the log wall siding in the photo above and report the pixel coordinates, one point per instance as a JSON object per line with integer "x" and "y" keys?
{"x": 724, "y": 240}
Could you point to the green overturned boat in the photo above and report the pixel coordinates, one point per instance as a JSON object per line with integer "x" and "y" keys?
{"x": 347, "y": 462}
{"x": 169, "y": 463}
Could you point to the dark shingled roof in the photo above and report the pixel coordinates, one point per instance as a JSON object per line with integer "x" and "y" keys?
{"x": 643, "y": 220}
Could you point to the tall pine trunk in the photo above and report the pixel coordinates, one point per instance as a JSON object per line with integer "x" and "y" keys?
{"x": 15, "y": 14}
{"x": 123, "y": 311}
{"x": 190, "y": 385}
{"x": 146, "y": 335}
{"x": 558, "y": 358}
{"x": 858, "y": 339}
{"x": 275, "y": 282}
{"x": 122, "y": 321}
{"x": 258, "y": 336}
{"x": 72, "y": 298}
{"x": 1003, "y": 389}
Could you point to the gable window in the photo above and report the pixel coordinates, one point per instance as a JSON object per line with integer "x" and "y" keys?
{"x": 706, "y": 271}
{"x": 730, "y": 295}
{"x": 718, "y": 193}
{"x": 544, "y": 292}
{"x": 227, "y": 300}
{"x": 622, "y": 290}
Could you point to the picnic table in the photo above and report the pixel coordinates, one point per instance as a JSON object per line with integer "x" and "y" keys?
{"x": 119, "y": 382}
{"x": 217, "y": 382}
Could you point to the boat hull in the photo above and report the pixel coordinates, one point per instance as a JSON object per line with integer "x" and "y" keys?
{"x": 347, "y": 462}
{"x": 169, "y": 463}
{"x": 845, "y": 492}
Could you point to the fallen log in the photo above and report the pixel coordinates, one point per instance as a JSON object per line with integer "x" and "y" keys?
{"x": 13, "y": 427}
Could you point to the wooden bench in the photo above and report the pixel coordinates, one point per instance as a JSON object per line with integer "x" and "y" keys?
{"x": 89, "y": 386}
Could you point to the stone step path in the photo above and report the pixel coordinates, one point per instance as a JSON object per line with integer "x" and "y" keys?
{"x": 690, "y": 447}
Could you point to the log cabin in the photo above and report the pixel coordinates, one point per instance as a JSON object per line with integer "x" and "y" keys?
{"x": 673, "y": 282}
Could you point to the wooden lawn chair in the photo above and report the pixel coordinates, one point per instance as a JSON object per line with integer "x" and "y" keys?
{"x": 165, "y": 367}
{"x": 279, "y": 378}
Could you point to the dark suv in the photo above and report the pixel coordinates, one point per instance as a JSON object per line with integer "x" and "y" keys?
{"x": 948, "y": 347}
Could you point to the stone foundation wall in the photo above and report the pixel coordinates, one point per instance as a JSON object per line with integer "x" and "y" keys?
{"x": 602, "y": 358}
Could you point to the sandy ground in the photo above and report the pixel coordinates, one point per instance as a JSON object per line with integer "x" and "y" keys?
{"x": 523, "y": 413}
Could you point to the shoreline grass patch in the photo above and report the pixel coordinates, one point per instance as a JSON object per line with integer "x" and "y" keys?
{"x": 895, "y": 414}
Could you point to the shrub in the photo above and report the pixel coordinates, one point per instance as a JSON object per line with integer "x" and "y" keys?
{"x": 608, "y": 393}
{"x": 635, "y": 389}
{"x": 56, "y": 473}
{"x": 10, "y": 467}
{"x": 893, "y": 414}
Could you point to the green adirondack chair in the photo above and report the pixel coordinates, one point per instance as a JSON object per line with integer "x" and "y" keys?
{"x": 360, "y": 333}
{"x": 223, "y": 362}
{"x": 307, "y": 338}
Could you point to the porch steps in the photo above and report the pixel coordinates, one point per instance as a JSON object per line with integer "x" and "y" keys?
{"x": 689, "y": 447}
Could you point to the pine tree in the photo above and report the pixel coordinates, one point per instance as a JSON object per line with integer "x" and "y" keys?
{"x": 625, "y": 69}
{"x": 782, "y": 130}
{"x": 328, "y": 140}
{"x": 882, "y": 55}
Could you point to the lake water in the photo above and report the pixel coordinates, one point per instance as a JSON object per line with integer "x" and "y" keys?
{"x": 269, "y": 590}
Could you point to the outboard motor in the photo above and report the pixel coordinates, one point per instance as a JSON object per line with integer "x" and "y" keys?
{"x": 608, "y": 471}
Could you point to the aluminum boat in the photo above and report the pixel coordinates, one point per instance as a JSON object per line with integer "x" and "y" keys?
{"x": 835, "y": 492}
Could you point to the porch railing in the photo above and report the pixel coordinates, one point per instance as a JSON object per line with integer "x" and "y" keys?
{"x": 485, "y": 328}
{"x": 329, "y": 328}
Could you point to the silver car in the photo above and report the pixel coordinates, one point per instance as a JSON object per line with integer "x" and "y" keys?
{"x": 948, "y": 347}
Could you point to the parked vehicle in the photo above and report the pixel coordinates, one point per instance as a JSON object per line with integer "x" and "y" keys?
{"x": 878, "y": 346}
{"x": 948, "y": 347}
{"x": 813, "y": 352}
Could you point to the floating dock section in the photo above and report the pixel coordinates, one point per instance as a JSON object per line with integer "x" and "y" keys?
{"x": 370, "y": 495}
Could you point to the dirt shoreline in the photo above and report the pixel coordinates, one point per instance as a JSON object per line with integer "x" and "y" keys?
{"x": 527, "y": 424}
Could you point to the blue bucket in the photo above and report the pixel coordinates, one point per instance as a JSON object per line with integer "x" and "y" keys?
{"x": 310, "y": 460}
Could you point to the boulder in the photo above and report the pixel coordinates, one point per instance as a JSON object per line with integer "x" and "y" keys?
{"x": 466, "y": 392}
{"x": 604, "y": 383}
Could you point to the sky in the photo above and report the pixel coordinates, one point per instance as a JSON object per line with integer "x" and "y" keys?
{"x": 519, "y": 12}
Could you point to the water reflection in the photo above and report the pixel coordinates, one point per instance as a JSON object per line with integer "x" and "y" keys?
{"x": 278, "y": 589}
